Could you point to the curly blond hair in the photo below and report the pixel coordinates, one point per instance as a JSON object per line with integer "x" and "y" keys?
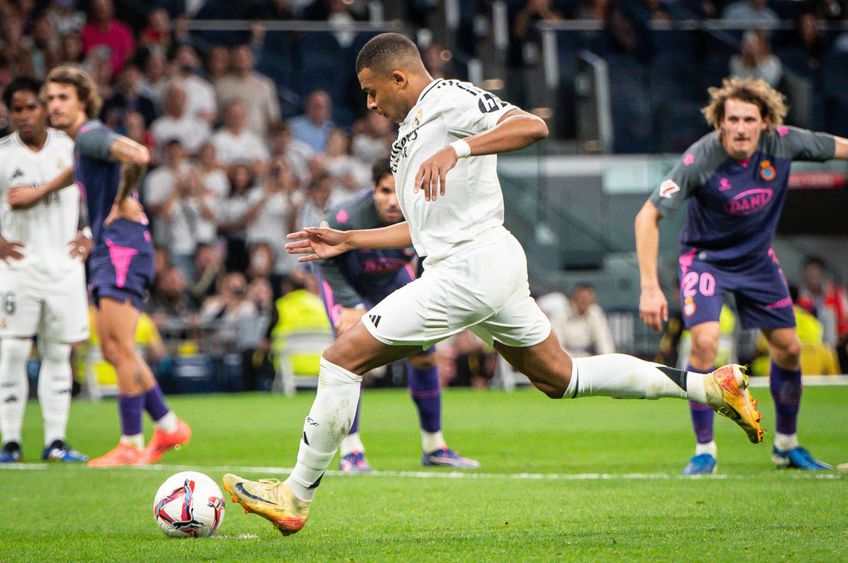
{"x": 772, "y": 103}
{"x": 82, "y": 82}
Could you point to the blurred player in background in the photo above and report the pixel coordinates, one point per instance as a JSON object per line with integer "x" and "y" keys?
{"x": 108, "y": 168}
{"x": 735, "y": 181}
{"x": 475, "y": 275}
{"x": 42, "y": 275}
{"x": 354, "y": 282}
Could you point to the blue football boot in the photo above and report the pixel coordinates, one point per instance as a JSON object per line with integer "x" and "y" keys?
{"x": 701, "y": 464}
{"x": 354, "y": 462}
{"x": 11, "y": 453}
{"x": 446, "y": 457}
{"x": 797, "y": 458}
{"x": 62, "y": 452}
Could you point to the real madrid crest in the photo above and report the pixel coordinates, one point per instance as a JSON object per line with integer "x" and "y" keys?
{"x": 416, "y": 121}
{"x": 767, "y": 171}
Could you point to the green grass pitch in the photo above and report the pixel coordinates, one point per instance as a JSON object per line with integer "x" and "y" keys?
{"x": 593, "y": 479}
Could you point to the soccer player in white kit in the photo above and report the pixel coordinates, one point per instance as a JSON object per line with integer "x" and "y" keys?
{"x": 475, "y": 275}
{"x": 42, "y": 276}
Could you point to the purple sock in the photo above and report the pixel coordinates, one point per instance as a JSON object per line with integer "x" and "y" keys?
{"x": 702, "y": 416}
{"x": 130, "y": 409}
{"x": 785, "y": 387}
{"x": 154, "y": 403}
{"x": 425, "y": 391}
{"x": 354, "y": 428}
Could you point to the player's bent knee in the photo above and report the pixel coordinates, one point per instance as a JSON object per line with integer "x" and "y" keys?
{"x": 423, "y": 361}
{"x": 788, "y": 354}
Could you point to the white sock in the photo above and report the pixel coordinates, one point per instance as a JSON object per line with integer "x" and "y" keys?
{"x": 136, "y": 441}
{"x": 432, "y": 441}
{"x": 168, "y": 423}
{"x": 14, "y": 387}
{"x": 785, "y": 442}
{"x": 626, "y": 377}
{"x": 351, "y": 443}
{"x": 54, "y": 388}
{"x": 326, "y": 426}
{"x": 708, "y": 448}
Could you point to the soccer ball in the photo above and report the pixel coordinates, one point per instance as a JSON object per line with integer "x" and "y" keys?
{"x": 189, "y": 505}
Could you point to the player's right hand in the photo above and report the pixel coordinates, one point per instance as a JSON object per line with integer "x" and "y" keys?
{"x": 317, "y": 243}
{"x": 10, "y": 250}
{"x": 348, "y": 317}
{"x": 653, "y": 308}
{"x": 23, "y": 197}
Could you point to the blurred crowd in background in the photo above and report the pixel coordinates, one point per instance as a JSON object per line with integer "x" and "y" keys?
{"x": 239, "y": 162}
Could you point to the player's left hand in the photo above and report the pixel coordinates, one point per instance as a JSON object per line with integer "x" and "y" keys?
{"x": 431, "y": 174}
{"x": 80, "y": 247}
{"x": 23, "y": 197}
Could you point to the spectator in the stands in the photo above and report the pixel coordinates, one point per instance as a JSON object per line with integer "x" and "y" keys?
{"x": 317, "y": 201}
{"x": 184, "y": 212}
{"x": 15, "y": 46}
{"x": 283, "y": 144}
{"x": 103, "y": 29}
{"x": 158, "y": 33}
{"x": 750, "y": 11}
{"x": 372, "y": 139}
{"x": 169, "y": 298}
{"x": 581, "y": 326}
{"x": 155, "y": 77}
{"x": 827, "y": 300}
{"x": 200, "y": 95}
{"x": 135, "y": 128}
{"x": 229, "y": 311}
{"x": 64, "y": 16}
{"x": 211, "y": 173}
{"x": 314, "y": 125}
{"x": 257, "y": 91}
{"x": 71, "y": 52}
{"x": 126, "y": 98}
{"x": 756, "y": 59}
{"x": 349, "y": 174}
{"x": 177, "y": 123}
{"x": 45, "y": 48}
{"x": 208, "y": 270}
{"x": 217, "y": 63}
{"x": 231, "y": 219}
{"x": 235, "y": 142}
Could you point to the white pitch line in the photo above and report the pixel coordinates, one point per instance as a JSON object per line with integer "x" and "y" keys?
{"x": 438, "y": 474}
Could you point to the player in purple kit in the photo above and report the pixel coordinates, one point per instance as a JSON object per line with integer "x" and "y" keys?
{"x": 108, "y": 168}
{"x": 735, "y": 180}
{"x": 354, "y": 282}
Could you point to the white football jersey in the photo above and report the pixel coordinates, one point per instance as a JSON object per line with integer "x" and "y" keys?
{"x": 472, "y": 208}
{"x": 46, "y": 228}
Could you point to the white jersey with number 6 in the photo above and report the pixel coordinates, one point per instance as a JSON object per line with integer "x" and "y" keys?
{"x": 43, "y": 293}
{"x": 472, "y": 209}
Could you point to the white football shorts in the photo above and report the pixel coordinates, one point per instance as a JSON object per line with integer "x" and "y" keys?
{"x": 31, "y": 305}
{"x": 483, "y": 289}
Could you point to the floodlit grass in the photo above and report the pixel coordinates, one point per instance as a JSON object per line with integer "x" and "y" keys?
{"x": 602, "y": 484}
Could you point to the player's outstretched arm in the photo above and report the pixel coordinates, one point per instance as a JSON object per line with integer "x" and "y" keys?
{"x": 653, "y": 307}
{"x": 318, "y": 243}
{"x": 516, "y": 130}
{"x": 841, "y": 152}
{"x": 24, "y": 197}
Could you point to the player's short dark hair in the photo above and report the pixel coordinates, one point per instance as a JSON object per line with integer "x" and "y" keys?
{"x": 380, "y": 169}
{"x": 384, "y": 52}
{"x": 20, "y": 84}
{"x": 86, "y": 87}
